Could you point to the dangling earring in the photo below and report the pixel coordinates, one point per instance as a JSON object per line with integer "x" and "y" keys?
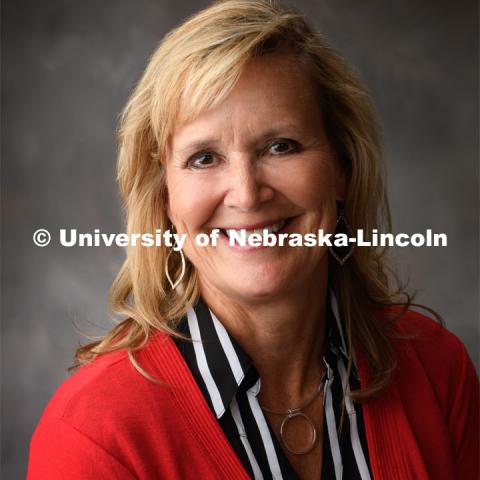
{"x": 176, "y": 283}
{"x": 342, "y": 226}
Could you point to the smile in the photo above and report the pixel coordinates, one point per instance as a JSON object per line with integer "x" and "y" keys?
{"x": 270, "y": 227}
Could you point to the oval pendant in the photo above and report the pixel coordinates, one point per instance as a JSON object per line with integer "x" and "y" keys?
{"x": 299, "y": 415}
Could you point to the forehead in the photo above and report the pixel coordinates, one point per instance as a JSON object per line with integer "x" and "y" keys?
{"x": 271, "y": 90}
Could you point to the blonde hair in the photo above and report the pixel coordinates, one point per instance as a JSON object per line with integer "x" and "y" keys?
{"x": 201, "y": 60}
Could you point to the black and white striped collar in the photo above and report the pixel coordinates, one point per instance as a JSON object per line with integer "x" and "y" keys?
{"x": 217, "y": 362}
{"x": 220, "y": 366}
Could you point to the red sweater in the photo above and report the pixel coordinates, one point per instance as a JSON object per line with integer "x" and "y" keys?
{"x": 109, "y": 422}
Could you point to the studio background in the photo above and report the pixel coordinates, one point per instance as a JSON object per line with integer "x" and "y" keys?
{"x": 67, "y": 70}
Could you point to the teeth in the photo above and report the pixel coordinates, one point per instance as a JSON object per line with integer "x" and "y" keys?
{"x": 269, "y": 228}
{"x": 278, "y": 226}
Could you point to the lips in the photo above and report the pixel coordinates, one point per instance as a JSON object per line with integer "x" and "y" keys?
{"x": 270, "y": 226}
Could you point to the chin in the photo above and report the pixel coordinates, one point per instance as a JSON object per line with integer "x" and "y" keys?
{"x": 254, "y": 295}
{"x": 258, "y": 280}
{"x": 259, "y": 287}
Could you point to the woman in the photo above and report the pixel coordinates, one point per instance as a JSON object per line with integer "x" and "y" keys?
{"x": 244, "y": 362}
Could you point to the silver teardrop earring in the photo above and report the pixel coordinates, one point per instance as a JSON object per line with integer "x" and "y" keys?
{"x": 176, "y": 283}
{"x": 342, "y": 222}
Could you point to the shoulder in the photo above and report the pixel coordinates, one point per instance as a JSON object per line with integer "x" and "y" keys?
{"x": 90, "y": 388}
{"x": 427, "y": 337}
{"x": 432, "y": 397}
{"x": 99, "y": 420}
{"x": 104, "y": 394}
{"x": 429, "y": 356}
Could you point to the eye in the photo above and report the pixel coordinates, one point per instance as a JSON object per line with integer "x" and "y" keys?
{"x": 201, "y": 160}
{"x": 283, "y": 146}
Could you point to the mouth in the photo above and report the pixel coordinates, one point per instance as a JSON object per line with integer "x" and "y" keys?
{"x": 271, "y": 227}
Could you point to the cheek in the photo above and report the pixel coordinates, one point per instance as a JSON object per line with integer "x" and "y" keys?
{"x": 190, "y": 200}
{"x": 310, "y": 183}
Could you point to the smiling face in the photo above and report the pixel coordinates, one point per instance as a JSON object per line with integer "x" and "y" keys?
{"x": 259, "y": 159}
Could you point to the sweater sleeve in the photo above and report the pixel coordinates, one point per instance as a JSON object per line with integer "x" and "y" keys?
{"x": 58, "y": 451}
{"x": 463, "y": 419}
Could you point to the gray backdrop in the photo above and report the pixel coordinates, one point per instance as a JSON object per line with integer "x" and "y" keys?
{"x": 67, "y": 68}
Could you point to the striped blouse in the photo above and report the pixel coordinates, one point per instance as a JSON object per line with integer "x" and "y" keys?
{"x": 230, "y": 384}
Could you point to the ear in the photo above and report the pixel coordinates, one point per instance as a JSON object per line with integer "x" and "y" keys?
{"x": 165, "y": 196}
{"x": 340, "y": 180}
{"x": 169, "y": 211}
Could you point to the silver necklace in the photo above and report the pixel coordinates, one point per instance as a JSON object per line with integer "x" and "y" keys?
{"x": 299, "y": 415}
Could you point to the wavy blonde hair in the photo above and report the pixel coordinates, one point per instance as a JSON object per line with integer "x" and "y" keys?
{"x": 201, "y": 61}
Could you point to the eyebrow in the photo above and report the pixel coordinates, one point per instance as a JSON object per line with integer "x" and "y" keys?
{"x": 198, "y": 145}
{"x": 206, "y": 143}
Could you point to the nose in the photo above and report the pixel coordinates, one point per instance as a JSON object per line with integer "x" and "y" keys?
{"x": 247, "y": 190}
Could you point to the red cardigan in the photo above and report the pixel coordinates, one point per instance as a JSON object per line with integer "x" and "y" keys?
{"x": 109, "y": 422}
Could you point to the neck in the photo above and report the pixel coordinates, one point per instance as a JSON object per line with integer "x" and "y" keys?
{"x": 283, "y": 336}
